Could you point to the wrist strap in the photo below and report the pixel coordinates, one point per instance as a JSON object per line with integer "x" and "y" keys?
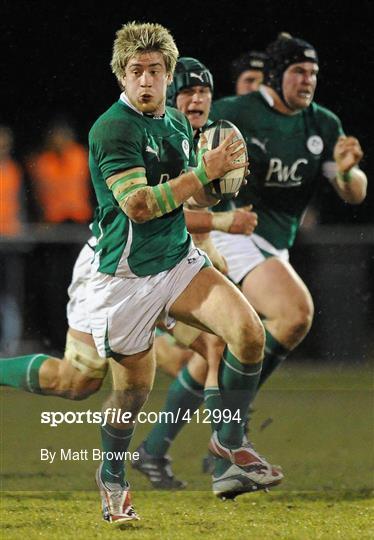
{"x": 164, "y": 199}
{"x": 222, "y": 221}
{"x": 200, "y": 169}
{"x": 345, "y": 176}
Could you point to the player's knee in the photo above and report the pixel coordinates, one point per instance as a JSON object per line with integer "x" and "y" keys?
{"x": 172, "y": 364}
{"x": 251, "y": 343}
{"x": 85, "y": 359}
{"x": 132, "y": 399}
{"x": 300, "y": 321}
{"x": 215, "y": 351}
{"x": 71, "y": 384}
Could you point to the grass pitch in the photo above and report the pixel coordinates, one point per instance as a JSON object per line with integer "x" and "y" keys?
{"x": 317, "y": 422}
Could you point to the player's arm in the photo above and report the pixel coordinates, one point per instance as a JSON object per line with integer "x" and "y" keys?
{"x": 239, "y": 221}
{"x": 141, "y": 202}
{"x": 204, "y": 242}
{"x": 350, "y": 182}
{"x": 202, "y": 198}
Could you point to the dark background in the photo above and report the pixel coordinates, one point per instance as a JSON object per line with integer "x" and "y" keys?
{"x": 56, "y": 58}
{"x": 55, "y": 61}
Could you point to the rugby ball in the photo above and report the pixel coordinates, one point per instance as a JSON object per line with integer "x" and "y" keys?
{"x": 227, "y": 186}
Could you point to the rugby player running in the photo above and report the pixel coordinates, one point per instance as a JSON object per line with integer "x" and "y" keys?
{"x": 191, "y": 92}
{"x": 146, "y": 267}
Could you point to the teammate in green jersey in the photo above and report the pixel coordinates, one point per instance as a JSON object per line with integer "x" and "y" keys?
{"x": 191, "y": 93}
{"x": 146, "y": 267}
{"x": 291, "y": 142}
{"x": 247, "y": 72}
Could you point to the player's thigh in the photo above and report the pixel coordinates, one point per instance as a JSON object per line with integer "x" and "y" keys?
{"x": 184, "y": 334}
{"x": 214, "y": 304}
{"x": 135, "y": 371}
{"x": 84, "y": 337}
{"x": 275, "y": 290}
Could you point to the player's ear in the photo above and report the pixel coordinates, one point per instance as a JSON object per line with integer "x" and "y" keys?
{"x": 169, "y": 79}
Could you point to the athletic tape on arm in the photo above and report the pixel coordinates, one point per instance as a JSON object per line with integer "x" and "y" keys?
{"x": 200, "y": 169}
{"x": 345, "y": 176}
{"x": 222, "y": 221}
{"x": 131, "y": 180}
{"x": 159, "y": 199}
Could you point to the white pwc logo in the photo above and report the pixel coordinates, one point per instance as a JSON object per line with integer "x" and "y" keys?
{"x": 280, "y": 175}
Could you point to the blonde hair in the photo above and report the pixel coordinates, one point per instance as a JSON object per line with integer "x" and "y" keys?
{"x": 134, "y": 38}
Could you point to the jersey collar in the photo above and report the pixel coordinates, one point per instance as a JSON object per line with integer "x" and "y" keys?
{"x": 127, "y": 102}
{"x": 267, "y": 97}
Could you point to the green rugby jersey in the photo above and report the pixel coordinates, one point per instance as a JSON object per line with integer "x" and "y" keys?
{"x": 123, "y": 138}
{"x": 288, "y": 156}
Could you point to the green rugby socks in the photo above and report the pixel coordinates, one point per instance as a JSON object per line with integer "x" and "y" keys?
{"x": 185, "y": 395}
{"x": 213, "y": 402}
{"x": 275, "y": 354}
{"x": 115, "y": 443}
{"x": 238, "y": 384}
{"x": 22, "y": 372}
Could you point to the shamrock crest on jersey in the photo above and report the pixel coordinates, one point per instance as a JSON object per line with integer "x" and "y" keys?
{"x": 315, "y": 145}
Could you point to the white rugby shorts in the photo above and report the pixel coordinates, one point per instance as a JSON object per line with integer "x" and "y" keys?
{"x": 76, "y": 308}
{"x": 124, "y": 311}
{"x": 243, "y": 253}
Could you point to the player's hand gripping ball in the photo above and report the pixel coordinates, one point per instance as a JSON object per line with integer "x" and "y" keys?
{"x": 229, "y": 184}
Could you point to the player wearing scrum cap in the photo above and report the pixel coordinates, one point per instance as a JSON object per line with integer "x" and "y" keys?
{"x": 293, "y": 142}
{"x": 247, "y": 72}
{"x": 191, "y": 93}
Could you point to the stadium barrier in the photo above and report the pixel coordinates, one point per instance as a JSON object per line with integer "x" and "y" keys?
{"x": 335, "y": 261}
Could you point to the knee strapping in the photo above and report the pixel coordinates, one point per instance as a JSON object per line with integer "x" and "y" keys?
{"x": 85, "y": 358}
